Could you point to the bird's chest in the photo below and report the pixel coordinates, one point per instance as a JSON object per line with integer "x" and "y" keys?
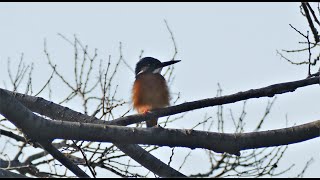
{"x": 150, "y": 89}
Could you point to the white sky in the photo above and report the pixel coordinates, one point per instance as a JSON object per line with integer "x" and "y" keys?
{"x": 233, "y": 44}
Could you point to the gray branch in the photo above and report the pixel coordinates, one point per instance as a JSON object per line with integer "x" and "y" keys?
{"x": 56, "y": 111}
{"x": 27, "y": 121}
{"x": 218, "y": 142}
{"x": 8, "y": 174}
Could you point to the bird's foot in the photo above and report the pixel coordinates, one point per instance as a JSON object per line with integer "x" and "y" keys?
{"x": 158, "y": 126}
{"x": 144, "y": 110}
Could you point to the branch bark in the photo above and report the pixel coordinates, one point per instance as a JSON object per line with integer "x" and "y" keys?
{"x": 218, "y": 142}
{"x": 56, "y": 111}
{"x": 231, "y": 143}
{"x": 24, "y": 119}
{"x": 268, "y": 91}
{"x": 305, "y": 6}
{"x": 8, "y": 174}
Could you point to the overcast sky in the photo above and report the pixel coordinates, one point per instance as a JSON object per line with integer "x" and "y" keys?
{"x": 233, "y": 44}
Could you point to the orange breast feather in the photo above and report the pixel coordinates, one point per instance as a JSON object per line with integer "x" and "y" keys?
{"x": 150, "y": 91}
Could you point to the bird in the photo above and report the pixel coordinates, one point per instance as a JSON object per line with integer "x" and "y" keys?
{"x": 150, "y": 90}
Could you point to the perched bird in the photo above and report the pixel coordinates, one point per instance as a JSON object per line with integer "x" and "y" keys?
{"x": 150, "y": 90}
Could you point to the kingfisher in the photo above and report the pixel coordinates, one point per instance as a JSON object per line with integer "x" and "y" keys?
{"x": 150, "y": 89}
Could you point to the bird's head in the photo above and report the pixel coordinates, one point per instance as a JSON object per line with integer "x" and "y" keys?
{"x": 152, "y": 65}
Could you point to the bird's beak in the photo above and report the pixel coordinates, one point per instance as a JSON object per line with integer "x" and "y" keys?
{"x": 167, "y": 63}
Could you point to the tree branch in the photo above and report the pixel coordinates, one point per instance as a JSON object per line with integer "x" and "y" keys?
{"x": 8, "y": 174}
{"x": 268, "y": 91}
{"x": 56, "y": 111}
{"x": 24, "y": 119}
{"x": 313, "y": 29}
{"x": 63, "y": 159}
{"x": 218, "y": 142}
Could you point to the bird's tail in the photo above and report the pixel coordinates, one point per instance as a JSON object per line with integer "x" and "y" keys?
{"x": 151, "y": 123}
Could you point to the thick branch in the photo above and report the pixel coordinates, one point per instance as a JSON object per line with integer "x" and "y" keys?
{"x": 219, "y": 142}
{"x": 24, "y": 119}
{"x": 254, "y": 93}
{"x": 8, "y": 174}
{"x": 56, "y": 111}
{"x": 268, "y": 91}
{"x": 64, "y": 160}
